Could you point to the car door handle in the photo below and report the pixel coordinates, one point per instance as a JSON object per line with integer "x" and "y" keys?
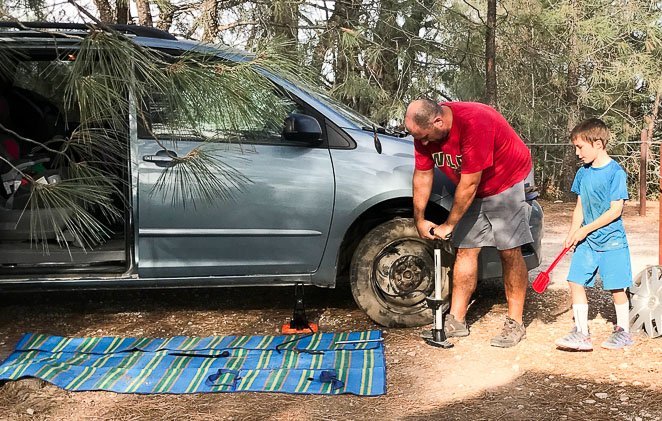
{"x": 162, "y": 158}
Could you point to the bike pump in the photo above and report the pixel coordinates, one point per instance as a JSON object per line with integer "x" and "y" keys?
{"x": 438, "y": 337}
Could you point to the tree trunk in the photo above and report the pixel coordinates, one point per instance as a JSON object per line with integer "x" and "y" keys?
{"x": 572, "y": 102}
{"x": 646, "y": 141}
{"x": 490, "y": 55}
{"x": 166, "y": 14}
{"x": 391, "y": 41}
{"x": 144, "y": 14}
{"x": 284, "y": 22}
{"x": 105, "y": 12}
{"x": 412, "y": 27}
{"x": 345, "y": 15}
{"x": 122, "y": 8}
{"x": 209, "y": 20}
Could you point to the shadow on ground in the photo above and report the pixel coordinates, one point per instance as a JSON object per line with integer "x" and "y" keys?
{"x": 78, "y": 311}
{"x": 546, "y": 307}
{"x": 540, "y": 396}
{"x": 182, "y": 298}
{"x": 534, "y": 395}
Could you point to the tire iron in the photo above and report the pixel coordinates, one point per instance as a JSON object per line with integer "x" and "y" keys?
{"x": 358, "y": 341}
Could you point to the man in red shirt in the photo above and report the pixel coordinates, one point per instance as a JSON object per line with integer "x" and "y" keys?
{"x": 476, "y": 148}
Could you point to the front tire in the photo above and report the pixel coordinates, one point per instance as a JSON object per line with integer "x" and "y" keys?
{"x": 391, "y": 273}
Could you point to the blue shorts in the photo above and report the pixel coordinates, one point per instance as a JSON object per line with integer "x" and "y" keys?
{"x": 613, "y": 265}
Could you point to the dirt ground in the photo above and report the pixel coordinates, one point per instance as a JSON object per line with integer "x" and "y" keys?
{"x": 470, "y": 381}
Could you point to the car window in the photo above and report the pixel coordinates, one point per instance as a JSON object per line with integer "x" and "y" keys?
{"x": 37, "y": 108}
{"x": 159, "y": 120}
{"x": 38, "y": 82}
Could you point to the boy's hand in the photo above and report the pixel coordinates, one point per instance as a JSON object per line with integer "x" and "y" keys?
{"x": 568, "y": 239}
{"x": 566, "y": 242}
{"x": 576, "y": 237}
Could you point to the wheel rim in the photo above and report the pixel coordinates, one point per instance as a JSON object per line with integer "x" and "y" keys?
{"x": 403, "y": 275}
{"x": 646, "y": 298}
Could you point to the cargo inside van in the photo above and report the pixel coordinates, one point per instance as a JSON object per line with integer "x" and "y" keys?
{"x": 42, "y": 139}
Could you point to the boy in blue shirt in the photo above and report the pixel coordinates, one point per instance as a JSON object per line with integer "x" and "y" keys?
{"x": 598, "y": 237}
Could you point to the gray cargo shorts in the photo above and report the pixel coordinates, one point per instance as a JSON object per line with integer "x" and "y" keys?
{"x": 500, "y": 221}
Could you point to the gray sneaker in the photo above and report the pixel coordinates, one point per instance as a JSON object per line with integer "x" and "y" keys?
{"x": 455, "y": 329}
{"x": 619, "y": 339}
{"x": 452, "y": 328}
{"x": 575, "y": 341}
{"x": 511, "y": 334}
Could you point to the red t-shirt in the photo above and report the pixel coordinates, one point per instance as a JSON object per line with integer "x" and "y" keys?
{"x": 480, "y": 139}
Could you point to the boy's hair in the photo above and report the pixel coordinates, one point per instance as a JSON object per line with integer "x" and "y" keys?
{"x": 591, "y": 130}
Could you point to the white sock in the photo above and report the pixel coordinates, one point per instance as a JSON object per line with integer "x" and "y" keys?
{"x": 580, "y": 311}
{"x": 623, "y": 315}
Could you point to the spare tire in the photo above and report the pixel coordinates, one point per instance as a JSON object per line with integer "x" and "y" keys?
{"x": 391, "y": 273}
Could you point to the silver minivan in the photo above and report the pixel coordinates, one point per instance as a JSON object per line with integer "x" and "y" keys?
{"x": 327, "y": 195}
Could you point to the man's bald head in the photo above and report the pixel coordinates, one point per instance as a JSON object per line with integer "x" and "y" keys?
{"x": 422, "y": 111}
{"x": 427, "y": 121}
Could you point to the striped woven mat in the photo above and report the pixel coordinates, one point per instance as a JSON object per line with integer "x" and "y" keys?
{"x": 314, "y": 364}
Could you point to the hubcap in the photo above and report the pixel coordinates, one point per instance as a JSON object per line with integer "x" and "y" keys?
{"x": 646, "y": 300}
{"x": 407, "y": 273}
{"x": 403, "y": 273}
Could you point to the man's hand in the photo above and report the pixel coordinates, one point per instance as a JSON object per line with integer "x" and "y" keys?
{"x": 443, "y": 231}
{"x": 424, "y": 227}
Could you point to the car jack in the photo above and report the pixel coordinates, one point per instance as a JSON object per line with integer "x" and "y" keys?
{"x": 436, "y": 304}
{"x": 299, "y": 323}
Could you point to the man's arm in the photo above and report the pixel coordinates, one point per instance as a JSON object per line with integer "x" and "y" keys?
{"x": 422, "y": 183}
{"x": 464, "y": 196}
{"x": 613, "y": 213}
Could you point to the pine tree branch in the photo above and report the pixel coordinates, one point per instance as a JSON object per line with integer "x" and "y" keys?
{"x": 25, "y": 139}
{"x": 476, "y": 10}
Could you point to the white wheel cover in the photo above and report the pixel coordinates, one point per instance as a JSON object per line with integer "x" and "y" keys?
{"x": 646, "y": 299}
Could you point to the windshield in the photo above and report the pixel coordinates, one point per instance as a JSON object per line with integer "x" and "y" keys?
{"x": 344, "y": 110}
{"x": 347, "y": 112}
{"x": 321, "y": 95}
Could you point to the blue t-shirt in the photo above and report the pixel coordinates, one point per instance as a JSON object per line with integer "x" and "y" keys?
{"x": 598, "y": 187}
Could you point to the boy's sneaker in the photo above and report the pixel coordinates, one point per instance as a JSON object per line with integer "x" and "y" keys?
{"x": 575, "y": 341}
{"x": 511, "y": 334}
{"x": 619, "y": 339}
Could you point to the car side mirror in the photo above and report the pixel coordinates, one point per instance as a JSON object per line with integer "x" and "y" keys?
{"x": 302, "y": 128}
